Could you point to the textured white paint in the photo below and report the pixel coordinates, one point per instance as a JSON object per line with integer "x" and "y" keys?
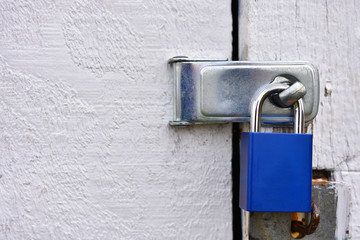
{"x": 326, "y": 33}
{"x": 85, "y": 99}
{"x": 353, "y": 180}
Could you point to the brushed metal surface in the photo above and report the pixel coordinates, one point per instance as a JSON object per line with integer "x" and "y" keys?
{"x": 219, "y": 91}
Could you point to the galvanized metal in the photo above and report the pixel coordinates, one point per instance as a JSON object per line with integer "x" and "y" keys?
{"x": 289, "y": 96}
{"x": 220, "y": 91}
{"x": 299, "y": 122}
{"x": 261, "y": 96}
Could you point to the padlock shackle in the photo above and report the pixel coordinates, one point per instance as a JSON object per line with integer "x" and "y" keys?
{"x": 258, "y": 100}
{"x": 299, "y": 116}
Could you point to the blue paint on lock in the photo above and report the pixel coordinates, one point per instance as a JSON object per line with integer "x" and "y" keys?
{"x": 275, "y": 172}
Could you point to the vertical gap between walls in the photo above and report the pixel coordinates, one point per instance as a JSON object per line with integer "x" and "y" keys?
{"x": 235, "y": 161}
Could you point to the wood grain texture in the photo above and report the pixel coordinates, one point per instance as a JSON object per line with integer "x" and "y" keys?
{"x": 85, "y": 99}
{"x": 327, "y": 34}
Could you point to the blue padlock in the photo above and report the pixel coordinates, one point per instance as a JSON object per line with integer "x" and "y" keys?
{"x": 275, "y": 168}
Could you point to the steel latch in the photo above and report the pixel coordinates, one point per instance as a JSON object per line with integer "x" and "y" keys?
{"x": 220, "y": 91}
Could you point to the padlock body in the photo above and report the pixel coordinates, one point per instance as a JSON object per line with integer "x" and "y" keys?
{"x": 275, "y": 172}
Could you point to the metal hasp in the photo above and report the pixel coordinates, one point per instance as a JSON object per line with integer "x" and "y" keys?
{"x": 220, "y": 91}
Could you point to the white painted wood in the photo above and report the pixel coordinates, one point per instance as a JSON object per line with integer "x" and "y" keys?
{"x": 326, "y": 33}
{"x": 85, "y": 99}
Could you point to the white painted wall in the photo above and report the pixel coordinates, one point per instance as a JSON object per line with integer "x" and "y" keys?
{"x": 326, "y": 33}
{"x": 86, "y": 151}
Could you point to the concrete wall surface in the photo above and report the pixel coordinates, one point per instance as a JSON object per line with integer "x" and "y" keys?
{"x": 86, "y": 151}
{"x": 327, "y": 34}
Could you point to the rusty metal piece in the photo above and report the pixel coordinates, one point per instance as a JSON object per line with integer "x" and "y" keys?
{"x": 320, "y": 181}
{"x": 299, "y": 229}
{"x": 298, "y": 225}
{"x": 315, "y": 218}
